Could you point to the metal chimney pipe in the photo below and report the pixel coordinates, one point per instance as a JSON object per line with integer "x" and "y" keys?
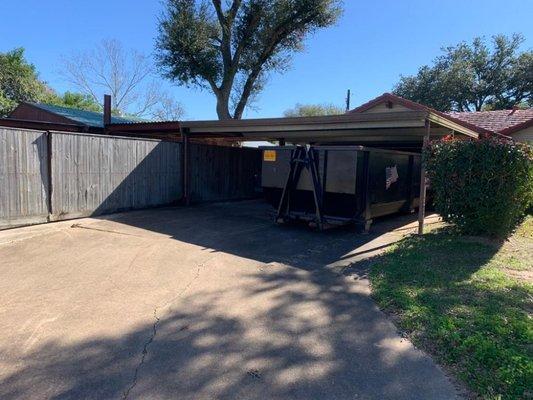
{"x": 107, "y": 109}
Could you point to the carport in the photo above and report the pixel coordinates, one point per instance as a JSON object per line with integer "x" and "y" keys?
{"x": 212, "y": 301}
{"x": 386, "y": 122}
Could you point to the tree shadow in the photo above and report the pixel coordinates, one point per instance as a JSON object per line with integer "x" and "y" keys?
{"x": 300, "y": 336}
{"x": 295, "y": 324}
{"x": 247, "y": 229}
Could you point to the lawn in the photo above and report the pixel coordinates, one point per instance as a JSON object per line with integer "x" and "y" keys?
{"x": 467, "y": 301}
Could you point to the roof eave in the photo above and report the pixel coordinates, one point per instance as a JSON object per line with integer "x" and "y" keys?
{"x": 45, "y": 125}
{"x": 453, "y": 125}
{"x": 272, "y": 127}
{"x": 516, "y": 128}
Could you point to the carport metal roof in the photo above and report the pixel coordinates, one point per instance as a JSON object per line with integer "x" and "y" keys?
{"x": 378, "y": 127}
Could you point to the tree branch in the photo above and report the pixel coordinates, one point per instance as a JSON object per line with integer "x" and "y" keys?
{"x": 280, "y": 33}
{"x": 225, "y": 45}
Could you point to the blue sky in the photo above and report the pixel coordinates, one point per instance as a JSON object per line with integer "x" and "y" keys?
{"x": 373, "y": 43}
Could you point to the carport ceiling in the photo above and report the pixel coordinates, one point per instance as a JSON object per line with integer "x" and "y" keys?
{"x": 399, "y": 126}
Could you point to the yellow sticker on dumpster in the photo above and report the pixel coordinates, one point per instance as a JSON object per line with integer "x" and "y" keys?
{"x": 269, "y": 155}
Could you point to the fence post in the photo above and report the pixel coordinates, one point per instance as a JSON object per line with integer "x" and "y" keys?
{"x": 49, "y": 188}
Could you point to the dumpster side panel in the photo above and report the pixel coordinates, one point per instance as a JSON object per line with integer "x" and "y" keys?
{"x": 275, "y": 167}
{"x": 341, "y": 171}
{"x": 389, "y": 182}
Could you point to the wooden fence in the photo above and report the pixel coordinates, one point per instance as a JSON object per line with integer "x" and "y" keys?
{"x": 94, "y": 175}
{"x": 50, "y": 176}
{"x": 223, "y": 173}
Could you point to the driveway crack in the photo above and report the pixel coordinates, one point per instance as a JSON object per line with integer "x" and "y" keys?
{"x": 143, "y": 357}
{"x": 154, "y": 331}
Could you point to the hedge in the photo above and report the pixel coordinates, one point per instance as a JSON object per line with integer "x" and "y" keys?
{"x": 483, "y": 187}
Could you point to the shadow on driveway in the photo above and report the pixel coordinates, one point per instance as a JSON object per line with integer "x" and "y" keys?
{"x": 267, "y": 315}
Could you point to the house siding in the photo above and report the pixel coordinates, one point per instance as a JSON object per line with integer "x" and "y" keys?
{"x": 525, "y": 135}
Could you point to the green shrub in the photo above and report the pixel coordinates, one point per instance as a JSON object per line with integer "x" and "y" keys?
{"x": 481, "y": 186}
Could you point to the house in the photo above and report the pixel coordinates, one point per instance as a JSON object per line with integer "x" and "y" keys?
{"x": 517, "y": 124}
{"x": 49, "y": 113}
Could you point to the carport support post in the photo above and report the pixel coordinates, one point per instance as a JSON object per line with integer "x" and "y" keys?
{"x": 422, "y": 202}
{"x": 185, "y": 164}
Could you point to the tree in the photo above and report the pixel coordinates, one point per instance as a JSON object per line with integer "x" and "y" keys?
{"x": 75, "y": 100}
{"x": 312, "y": 110}
{"x": 19, "y": 81}
{"x": 474, "y": 77}
{"x": 128, "y": 76}
{"x": 230, "y": 48}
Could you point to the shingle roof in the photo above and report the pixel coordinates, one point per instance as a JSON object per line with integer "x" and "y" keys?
{"x": 89, "y": 118}
{"x": 501, "y": 121}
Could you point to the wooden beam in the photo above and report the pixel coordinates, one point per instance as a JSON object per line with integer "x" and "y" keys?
{"x": 422, "y": 202}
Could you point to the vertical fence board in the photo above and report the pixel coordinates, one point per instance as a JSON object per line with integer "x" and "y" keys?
{"x": 23, "y": 177}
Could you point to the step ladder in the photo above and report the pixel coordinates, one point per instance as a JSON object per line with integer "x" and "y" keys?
{"x": 303, "y": 157}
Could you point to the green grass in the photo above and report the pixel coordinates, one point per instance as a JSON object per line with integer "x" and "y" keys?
{"x": 455, "y": 298}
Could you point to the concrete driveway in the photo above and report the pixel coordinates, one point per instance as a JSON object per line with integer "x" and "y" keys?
{"x": 210, "y": 302}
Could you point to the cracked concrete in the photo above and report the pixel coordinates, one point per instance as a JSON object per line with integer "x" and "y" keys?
{"x": 154, "y": 332}
{"x": 143, "y": 356}
{"x": 211, "y": 302}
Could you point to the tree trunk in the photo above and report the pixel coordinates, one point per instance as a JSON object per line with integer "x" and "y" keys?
{"x": 223, "y": 106}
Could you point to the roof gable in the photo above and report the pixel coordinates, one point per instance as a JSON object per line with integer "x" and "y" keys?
{"x": 388, "y": 102}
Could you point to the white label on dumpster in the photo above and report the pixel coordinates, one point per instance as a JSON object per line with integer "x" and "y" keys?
{"x": 391, "y": 176}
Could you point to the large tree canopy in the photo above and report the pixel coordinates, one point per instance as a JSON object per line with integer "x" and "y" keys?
{"x": 229, "y": 48}
{"x": 474, "y": 77}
